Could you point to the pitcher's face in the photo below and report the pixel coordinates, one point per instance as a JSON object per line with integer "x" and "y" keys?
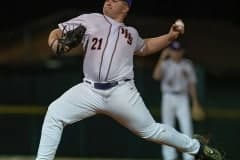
{"x": 114, "y": 8}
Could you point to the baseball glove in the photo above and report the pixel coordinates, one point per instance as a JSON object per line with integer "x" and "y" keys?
{"x": 198, "y": 114}
{"x": 70, "y": 39}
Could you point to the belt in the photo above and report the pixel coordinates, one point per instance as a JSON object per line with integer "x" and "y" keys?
{"x": 176, "y": 92}
{"x": 105, "y": 86}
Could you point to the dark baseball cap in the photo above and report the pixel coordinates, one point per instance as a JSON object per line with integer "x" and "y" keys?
{"x": 176, "y": 45}
{"x": 129, "y": 2}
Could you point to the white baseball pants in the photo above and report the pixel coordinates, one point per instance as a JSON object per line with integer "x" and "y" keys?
{"x": 122, "y": 102}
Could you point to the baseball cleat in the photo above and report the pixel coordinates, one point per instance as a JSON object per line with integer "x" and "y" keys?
{"x": 207, "y": 152}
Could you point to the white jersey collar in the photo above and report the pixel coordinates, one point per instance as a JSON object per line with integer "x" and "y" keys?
{"x": 112, "y": 21}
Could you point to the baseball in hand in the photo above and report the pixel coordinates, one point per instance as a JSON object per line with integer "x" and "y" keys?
{"x": 180, "y": 25}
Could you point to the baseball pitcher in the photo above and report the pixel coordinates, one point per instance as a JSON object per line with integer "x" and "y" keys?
{"x": 108, "y": 85}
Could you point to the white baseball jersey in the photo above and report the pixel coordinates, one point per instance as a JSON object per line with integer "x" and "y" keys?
{"x": 109, "y": 47}
{"x": 177, "y": 76}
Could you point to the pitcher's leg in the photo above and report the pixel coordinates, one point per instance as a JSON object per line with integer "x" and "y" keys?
{"x": 61, "y": 112}
{"x": 50, "y": 137}
{"x": 131, "y": 112}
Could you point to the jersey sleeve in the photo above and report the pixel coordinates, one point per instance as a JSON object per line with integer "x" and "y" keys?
{"x": 139, "y": 43}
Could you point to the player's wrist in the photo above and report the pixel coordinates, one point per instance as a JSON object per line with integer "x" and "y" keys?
{"x": 172, "y": 37}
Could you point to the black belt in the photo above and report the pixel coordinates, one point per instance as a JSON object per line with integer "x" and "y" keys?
{"x": 176, "y": 92}
{"x": 105, "y": 86}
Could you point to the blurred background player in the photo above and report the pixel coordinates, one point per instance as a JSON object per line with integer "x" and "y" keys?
{"x": 178, "y": 81}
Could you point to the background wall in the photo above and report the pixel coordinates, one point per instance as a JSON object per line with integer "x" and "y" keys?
{"x": 31, "y": 77}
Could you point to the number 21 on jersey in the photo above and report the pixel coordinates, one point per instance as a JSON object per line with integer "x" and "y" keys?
{"x": 97, "y": 42}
